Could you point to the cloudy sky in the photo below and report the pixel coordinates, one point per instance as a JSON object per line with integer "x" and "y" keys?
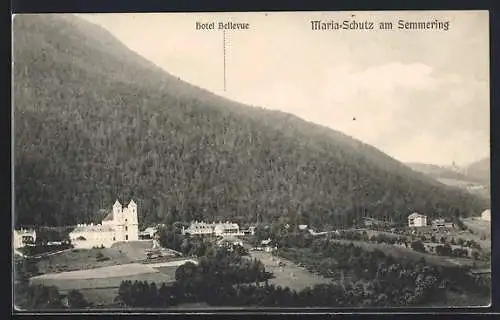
{"x": 419, "y": 96}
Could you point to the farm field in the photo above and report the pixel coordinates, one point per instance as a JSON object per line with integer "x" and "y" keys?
{"x": 100, "y": 285}
{"x": 290, "y": 275}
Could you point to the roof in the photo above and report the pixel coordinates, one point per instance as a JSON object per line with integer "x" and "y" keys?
{"x": 24, "y": 232}
{"x": 92, "y": 228}
{"x": 229, "y": 239}
{"x": 268, "y": 241}
{"x": 415, "y": 215}
{"x": 227, "y": 225}
{"x": 109, "y": 217}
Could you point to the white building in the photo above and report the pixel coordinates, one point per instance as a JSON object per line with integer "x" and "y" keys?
{"x": 417, "y": 220}
{"x": 23, "y": 237}
{"x": 229, "y": 241}
{"x": 217, "y": 229}
{"x": 227, "y": 229}
{"x": 199, "y": 228}
{"x": 486, "y": 215}
{"x": 121, "y": 224}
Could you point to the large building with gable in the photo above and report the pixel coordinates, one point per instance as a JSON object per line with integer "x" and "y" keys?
{"x": 120, "y": 224}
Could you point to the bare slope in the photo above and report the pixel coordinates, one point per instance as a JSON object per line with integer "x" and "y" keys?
{"x": 95, "y": 121}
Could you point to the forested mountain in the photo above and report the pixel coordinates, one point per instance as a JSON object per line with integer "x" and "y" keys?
{"x": 94, "y": 122}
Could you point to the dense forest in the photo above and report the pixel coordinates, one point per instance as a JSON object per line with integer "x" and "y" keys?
{"x": 95, "y": 122}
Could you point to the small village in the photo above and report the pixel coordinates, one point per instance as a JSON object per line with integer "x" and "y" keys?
{"x": 95, "y": 251}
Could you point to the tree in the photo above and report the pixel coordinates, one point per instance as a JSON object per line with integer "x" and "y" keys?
{"x": 444, "y": 250}
{"x": 475, "y": 255}
{"x": 418, "y": 246}
{"x": 185, "y": 271}
{"x": 76, "y": 300}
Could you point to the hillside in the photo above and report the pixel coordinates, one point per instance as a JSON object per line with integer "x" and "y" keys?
{"x": 436, "y": 171}
{"x": 479, "y": 170}
{"x": 95, "y": 122}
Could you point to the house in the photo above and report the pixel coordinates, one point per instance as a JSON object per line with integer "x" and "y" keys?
{"x": 229, "y": 241}
{"x": 486, "y": 215}
{"x": 417, "y": 220}
{"x": 303, "y": 226}
{"x": 266, "y": 242}
{"x": 148, "y": 233}
{"x": 120, "y": 224}
{"x": 441, "y": 223}
{"x": 249, "y": 231}
{"x": 23, "y": 237}
{"x": 368, "y": 222}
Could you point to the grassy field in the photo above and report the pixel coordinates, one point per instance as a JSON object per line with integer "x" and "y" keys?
{"x": 101, "y": 283}
{"x": 398, "y": 251}
{"x": 81, "y": 259}
{"x": 290, "y": 275}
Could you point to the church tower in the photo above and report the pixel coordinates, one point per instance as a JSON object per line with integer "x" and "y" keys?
{"x": 130, "y": 222}
{"x": 118, "y": 217}
{"x": 117, "y": 211}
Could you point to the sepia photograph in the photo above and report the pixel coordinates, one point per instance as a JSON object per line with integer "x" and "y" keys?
{"x": 179, "y": 162}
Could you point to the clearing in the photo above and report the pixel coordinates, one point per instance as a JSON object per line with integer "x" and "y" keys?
{"x": 289, "y": 275}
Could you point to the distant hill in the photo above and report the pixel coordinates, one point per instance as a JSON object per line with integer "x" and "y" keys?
{"x": 436, "y": 171}
{"x": 479, "y": 170}
{"x": 94, "y": 122}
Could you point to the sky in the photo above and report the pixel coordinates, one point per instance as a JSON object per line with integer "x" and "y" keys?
{"x": 417, "y": 95}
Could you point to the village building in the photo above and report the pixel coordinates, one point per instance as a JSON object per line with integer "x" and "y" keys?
{"x": 121, "y": 224}
{"x": 302, "y": 226}
{"x": 229, "y": 242}
{"x": 267, "y": 245}
{"x": 441, "y": 223}
{"x": 226, "y": 229}
{"x": 486, "y": 215}
{"x": 249, "y": 231}
{"x": 23, "y": 237}
{"x": 417, "y": 220}
{"x": 148, "y": 233}
{"x": 217, "y": 229}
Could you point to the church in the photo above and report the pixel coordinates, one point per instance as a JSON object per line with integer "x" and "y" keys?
{"x": 120, "y": 224}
